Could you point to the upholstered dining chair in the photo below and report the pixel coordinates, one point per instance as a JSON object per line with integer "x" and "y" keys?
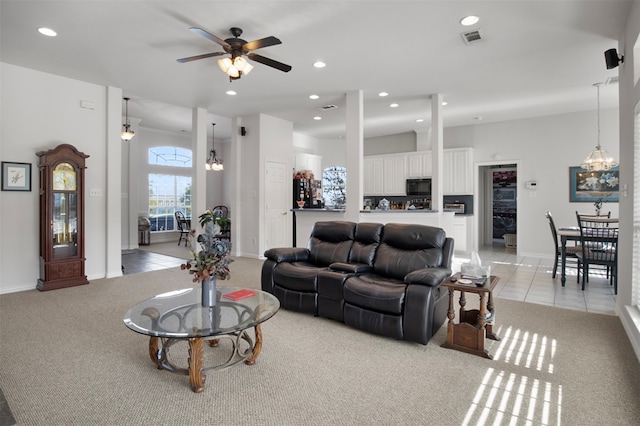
{"x": 571, "y": 251}
{"x": 182, "y": 227}
{"x": 599, "y": 241}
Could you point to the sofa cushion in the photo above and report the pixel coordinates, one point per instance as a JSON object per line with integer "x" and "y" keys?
{"x": 299, "y": 276}
{"x": 366, "y": 241}
{"x": 330, "y": 242}
{"x": 375, "y": 293}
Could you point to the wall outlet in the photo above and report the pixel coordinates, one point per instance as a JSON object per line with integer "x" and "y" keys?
{"x": 95, "y": 192}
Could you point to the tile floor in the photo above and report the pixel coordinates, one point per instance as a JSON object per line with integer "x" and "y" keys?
{"x": 136, "y": 261}
{"x": 528, "y": 279}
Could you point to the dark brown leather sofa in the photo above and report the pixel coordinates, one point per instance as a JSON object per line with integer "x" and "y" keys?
{"x": 383, "y": 279}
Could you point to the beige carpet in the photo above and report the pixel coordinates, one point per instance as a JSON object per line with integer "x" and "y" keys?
{"x": 67, "y": 359}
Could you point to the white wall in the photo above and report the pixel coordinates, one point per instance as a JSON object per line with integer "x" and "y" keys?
{"x": 545, "y": 148}
{"x": 38, "y": 112}
{"x": 402, "y": 142}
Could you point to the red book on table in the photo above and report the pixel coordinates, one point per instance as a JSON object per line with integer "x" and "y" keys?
{"x": 239, "y": 294}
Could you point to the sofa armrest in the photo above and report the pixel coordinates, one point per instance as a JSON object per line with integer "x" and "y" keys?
{"x": 287, "y": 254}
{"x": 353, "y": 268}
{"x": 431, "y": 277}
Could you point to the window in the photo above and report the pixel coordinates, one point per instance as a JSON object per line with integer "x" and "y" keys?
{"x": 169, "y": 188}
{"x": 334, "y": 181}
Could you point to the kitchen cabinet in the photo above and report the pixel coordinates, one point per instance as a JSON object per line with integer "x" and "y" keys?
{"x": 419, "y": 164}
{"x": 310, "y": 162}
{"x": 373, "y": 176}
{"x": 457, "y": 171}
{"x": 462, "y": 233}
{"x": 394, "y": 175}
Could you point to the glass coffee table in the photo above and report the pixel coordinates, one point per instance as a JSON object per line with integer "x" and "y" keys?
{"x": 179, "y": 316}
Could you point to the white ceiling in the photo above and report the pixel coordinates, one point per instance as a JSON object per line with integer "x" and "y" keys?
{"x": 536, "y": 57}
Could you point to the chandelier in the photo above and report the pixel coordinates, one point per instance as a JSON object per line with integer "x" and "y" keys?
{"x": 599, "y": 159}
{"x": 213, "y": 162}
{"x": 127, "y": 134}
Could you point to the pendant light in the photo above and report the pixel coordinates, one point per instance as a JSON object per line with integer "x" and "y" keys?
{"x": 127, "y": 134}
{"x": 213, "y": 162}
{"x": 599, "y": 159}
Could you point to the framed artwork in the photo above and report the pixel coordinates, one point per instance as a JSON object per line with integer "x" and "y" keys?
{"x": 591, "y": 186}
{"x": 16, "y": 176}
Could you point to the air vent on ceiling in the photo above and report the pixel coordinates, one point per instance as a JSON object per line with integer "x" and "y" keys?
{"x": 326, "y": 107}
{"x": 473, "y": 36}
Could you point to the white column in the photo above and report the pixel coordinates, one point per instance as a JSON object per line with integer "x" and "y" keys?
{"x": 354, "y": 154}
{"x": 113, "y": 191}
{"x": 437, "y": 186}
{"x": 199, "y": 173}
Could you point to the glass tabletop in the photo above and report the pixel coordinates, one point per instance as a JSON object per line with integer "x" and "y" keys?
{"x": 180, "y": 314}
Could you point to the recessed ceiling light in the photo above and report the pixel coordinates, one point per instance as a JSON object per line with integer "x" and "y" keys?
{"x": 394, "y": 105}
{"x": 419, "y": 120}
{"x": 469, "y": 20}
{"x": 317, "y": 117}
{"x": 383, "y": 94}
{"x": 47, "y": 31}
{"x": 231, "y": 93}
{"x": 445, "y": 103}
{"x": 319, "y": 64}
{"x": 314, "y": 97}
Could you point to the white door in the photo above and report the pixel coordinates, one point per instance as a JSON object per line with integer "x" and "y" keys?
{"x": 278, "y": 187}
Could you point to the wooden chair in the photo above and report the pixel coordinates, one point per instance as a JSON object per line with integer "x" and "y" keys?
{"x": 225, "y": 231}
{"x": 599, "y": 240}
{"x": 571, "y": 251}
{"x": 183, "y": 227}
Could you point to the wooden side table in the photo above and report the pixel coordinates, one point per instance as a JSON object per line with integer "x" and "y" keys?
{"x": 474, "y": 325}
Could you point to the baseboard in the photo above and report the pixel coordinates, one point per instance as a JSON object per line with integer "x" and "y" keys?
{"x": 630, "y": 318}
{"x": 17, "y": 288}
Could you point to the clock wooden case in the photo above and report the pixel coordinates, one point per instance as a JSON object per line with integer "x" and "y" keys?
{"x": 61, "y": 218}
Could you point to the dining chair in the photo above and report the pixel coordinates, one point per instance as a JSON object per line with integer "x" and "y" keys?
{"x": 607, "y": 216}
{"x": 599, "y": 241}
{"x": 571, "y": 251}
{"x": 225, "y": 231}
{"x": 182, "y": 227}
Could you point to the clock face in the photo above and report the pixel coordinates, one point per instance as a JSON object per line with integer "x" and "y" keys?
{"x": 64, "y": 177}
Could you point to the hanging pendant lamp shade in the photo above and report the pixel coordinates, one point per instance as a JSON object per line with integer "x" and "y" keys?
{"x": 126, "y": 134}
{"x": 599, "y": 159}
{"x": 213, "y": 162}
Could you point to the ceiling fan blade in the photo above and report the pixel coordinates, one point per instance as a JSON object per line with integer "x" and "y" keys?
{"x": 269, "y": 62}
{"x": 195, "y": 58}
{"x": 211, "y": 37}
{"x": 259, "y": 44}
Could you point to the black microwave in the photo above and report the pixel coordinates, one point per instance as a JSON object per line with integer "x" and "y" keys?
{"x": 418, "y": 186}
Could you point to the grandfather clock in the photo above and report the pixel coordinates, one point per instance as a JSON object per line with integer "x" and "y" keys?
{"x": 61, "y": 218}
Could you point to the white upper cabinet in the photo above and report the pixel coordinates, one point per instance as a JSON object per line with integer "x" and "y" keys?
{"x": 373, "y": 176}
{"x": 309, "y": 162}
{"x": 419, "y": 164}
{"x": 395, "y": 175}
{"x": 457, "y": 171}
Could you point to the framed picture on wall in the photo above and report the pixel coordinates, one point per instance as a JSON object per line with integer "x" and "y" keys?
{"x": 590, "y": 186}
{"x": 16, "y": 176}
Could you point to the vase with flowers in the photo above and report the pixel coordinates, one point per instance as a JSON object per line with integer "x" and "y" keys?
{"x": 210, "y": 256}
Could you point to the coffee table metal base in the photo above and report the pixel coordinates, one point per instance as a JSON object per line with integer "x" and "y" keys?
{"x": 159, "y": 353}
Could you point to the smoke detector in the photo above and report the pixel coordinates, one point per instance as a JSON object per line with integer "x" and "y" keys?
{"x": 472, "y": 36}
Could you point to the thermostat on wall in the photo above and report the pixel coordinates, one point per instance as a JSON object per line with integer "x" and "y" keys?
{"x": 532, "y": 185}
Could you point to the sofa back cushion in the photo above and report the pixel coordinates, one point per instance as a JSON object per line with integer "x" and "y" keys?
{"x": 367, "y": 240}
{"x": 330, "y": 242}
{"x": 406, "y": 248}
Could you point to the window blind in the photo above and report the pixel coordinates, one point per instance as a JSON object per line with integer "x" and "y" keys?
{"x": 635, "y": 291}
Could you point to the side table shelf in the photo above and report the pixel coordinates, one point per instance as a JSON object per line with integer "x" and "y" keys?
{"x": 474, "y": 325}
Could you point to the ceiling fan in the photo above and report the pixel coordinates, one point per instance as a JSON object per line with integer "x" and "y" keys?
{"x": 237, "y": 66}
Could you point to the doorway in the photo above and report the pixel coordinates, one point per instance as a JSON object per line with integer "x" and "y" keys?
{"x": 498, "y": 205}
